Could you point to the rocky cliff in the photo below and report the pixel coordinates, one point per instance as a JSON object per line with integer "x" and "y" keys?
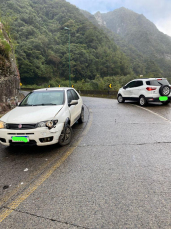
{"x": 9, "y": 74}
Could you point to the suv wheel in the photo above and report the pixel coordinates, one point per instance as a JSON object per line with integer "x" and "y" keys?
{"x": 120, "y": 99}
{"x": 142, "y": 101}
{"x": 164, "y": 90}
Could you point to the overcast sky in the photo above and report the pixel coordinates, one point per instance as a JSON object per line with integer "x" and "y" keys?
{"x": 157, "y": 11}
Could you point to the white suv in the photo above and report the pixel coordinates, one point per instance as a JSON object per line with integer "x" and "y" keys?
{"x": 146, "y": 90}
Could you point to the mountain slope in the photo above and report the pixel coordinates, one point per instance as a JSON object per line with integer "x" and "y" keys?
{"x": 149, "y": 50}
{"x": 42, "y": 50}
{"x": 139, "y": 32}
{"x": 140, "y": 63}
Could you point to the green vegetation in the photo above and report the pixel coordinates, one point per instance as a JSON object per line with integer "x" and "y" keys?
{"x": 5, "y": 47}
{"x": 97, "y": 84}
{"x": 148, "y": 48}
{"x": 42, "y": 46}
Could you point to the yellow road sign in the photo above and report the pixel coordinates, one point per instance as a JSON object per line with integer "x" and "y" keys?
{"x": 49, "y": 86}
{"x": 72, "y": 85}
{"x": 110, "y": 85}
{"x": 59, "y": 85}
{"x": 20, "y": 84}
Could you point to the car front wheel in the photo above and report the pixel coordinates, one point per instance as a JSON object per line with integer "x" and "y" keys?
{"x": 142, "y": 101}
{"x": 66, "y": 135}
{"x": 120, "y": 99}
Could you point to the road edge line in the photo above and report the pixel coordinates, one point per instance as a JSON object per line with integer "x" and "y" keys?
{"x": 153, "y": 113}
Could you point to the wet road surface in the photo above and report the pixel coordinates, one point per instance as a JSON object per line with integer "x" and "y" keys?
{"x": 115, "y": 174}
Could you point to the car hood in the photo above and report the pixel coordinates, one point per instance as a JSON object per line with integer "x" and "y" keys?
{"x": 30, "y": 114}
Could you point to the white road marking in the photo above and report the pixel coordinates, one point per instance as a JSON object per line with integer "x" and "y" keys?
{"x": 153, "y": 113}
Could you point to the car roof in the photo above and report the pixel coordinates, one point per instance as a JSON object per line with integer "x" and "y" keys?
{"x": 54, "y": 89}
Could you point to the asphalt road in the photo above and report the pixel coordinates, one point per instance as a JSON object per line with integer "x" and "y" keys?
{"x": 115, "y": 174}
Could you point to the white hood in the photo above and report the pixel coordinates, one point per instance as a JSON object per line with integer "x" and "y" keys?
{"x": 31, "y": 114}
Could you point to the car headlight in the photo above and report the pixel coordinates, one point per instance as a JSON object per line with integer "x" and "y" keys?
{"x": 50, "y": 124}
{"x": 41, "y": 124}
{"x": 2, "y": 125}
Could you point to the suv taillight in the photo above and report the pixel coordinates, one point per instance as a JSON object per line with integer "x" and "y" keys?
{"x": 151, "y": 88}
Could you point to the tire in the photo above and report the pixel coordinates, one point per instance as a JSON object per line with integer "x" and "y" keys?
{"x": 165, "y": 102}
{"x": 66, "y": 136}
{"x": 120, "y": 99}
{"x": 81, "y": 119}
{"x": 142, "y": 101}
{"x": 164, "y": 90}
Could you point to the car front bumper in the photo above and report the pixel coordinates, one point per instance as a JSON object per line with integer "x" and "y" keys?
{"x": 35, "y": 136}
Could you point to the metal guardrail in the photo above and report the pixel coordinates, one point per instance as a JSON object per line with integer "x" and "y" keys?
{"x": 97, "y": 92}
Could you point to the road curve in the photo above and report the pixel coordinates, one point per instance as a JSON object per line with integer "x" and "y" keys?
{"x": 117, "y": 176}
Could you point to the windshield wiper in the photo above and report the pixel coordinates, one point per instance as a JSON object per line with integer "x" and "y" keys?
{"x": 25, "y": 105}
{"x": 44, "y": 104}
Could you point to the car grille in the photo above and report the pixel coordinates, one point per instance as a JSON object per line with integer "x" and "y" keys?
{"x": 24, "y": 126}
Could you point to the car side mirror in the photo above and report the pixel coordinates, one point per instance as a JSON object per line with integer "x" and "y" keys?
{"x": 124, "y": 87}
{"x": 73, "y": 102}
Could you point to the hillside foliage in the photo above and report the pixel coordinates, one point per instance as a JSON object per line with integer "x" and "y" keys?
{"x": 148, "y": 48}
{"x": 42, "y": 48}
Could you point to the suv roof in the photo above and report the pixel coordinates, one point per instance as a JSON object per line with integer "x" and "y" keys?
{"x": 150, "y": 79}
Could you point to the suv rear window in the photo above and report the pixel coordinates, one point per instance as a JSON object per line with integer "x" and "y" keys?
{"x": 157, "y": 82}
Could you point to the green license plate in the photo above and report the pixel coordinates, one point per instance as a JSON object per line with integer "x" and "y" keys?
{"x": 20, "y": 139}
{"x": 163, "y": 98}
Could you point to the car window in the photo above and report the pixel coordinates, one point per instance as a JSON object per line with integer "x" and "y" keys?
{"x": 70, "y": 96}
{"x": 131, "y": 84}
{"x": 41, "y": 98}
{"x": 157, "y": 82}
{"x": 74, "y": 94}
{"x": 139, "y": 83}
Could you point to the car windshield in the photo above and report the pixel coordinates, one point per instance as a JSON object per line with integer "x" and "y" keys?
{"x": 44, "y": 98}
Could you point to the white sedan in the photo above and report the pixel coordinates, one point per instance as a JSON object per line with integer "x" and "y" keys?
{"x": 44, "y": 117}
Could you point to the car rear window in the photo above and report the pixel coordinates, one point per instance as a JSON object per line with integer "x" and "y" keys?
{"x": 157, "y": 82}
